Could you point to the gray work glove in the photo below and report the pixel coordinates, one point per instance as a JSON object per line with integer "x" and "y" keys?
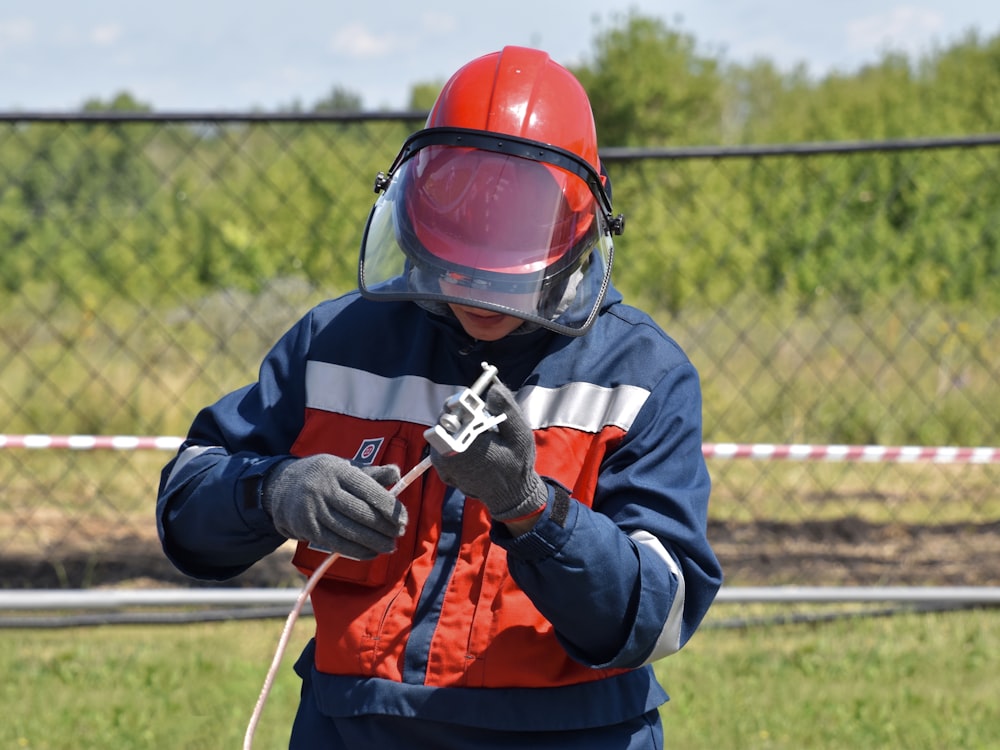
{"x": 498, "y": 468}
{"x": 335, "y": 505}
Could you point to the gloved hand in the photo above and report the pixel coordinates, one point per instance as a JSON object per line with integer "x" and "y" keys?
{"x": 498, "y": 468}
{"x": 335, "y": 505}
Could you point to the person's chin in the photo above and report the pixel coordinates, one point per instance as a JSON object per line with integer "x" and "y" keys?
{"x": 485, "y": 325}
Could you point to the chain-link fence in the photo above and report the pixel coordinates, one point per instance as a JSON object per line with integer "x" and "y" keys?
{"x": 830, "y": 295}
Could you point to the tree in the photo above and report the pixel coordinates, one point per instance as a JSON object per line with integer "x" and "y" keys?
{"x": 761, "y": 104}
{"x": 963, "y": 86}
{"x": 123, "y": 101}
{"x": 423, "y": 95}
{"x": 339, "y": 99}
{"x": 648, "y": 85}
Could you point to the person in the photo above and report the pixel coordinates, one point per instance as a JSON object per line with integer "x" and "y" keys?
{"x": 517, "y": 594}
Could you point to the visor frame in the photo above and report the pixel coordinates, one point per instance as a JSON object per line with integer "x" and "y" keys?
{"x": 510, "y": 145}
{"x": 581, "y": 272}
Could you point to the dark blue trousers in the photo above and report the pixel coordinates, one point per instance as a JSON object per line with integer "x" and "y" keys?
{"x": 314, "y": 731}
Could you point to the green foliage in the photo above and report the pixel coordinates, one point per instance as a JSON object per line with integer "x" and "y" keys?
{"x": 123, "y": 101}
{"x": 87, "y": 206}
{"x": 852, "y": 228}
{"x": 339, "y": 99}
{"x": 855, "y": 228}
{"x": 423, "y": 95}
{"x": 962, "y": 86}
{"x": 652, "y": 84}
{"x": 649, "y": 86}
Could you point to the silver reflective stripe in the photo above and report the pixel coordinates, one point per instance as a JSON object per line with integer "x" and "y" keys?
{"x": 669, "y": 641}
{"x": 582, "y": 406}
{"x": 357, "y": 393}
{"x": 186, "y": 455}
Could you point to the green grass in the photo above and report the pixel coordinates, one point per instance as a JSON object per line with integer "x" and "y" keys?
{"x": 192, "y": 686}
{"x": 908, "y": 681}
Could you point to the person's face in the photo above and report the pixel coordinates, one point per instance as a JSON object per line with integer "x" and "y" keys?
{"x": 485, "y": 325}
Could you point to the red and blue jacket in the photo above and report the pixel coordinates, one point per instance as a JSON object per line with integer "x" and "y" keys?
{"x": 464, "y": 623}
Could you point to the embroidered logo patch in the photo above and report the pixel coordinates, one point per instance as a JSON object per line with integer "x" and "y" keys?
{"x": 367, "y": 451}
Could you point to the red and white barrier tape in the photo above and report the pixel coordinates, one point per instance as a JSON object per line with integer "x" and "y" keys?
{"x": 756, "y": 451}
{"x": 91, "y": 442}
{"x": 854, "y": 453}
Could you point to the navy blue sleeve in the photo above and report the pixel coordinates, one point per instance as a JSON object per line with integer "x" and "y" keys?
{"x": 630, "y": 579}
{"x": 208, "y": 509}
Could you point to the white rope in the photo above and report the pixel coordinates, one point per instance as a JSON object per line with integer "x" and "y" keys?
{"x": 300, "y": 602}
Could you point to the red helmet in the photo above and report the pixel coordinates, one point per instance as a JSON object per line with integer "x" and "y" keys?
{"x": 519, "y": 224}
{"x": 529, "y": 96}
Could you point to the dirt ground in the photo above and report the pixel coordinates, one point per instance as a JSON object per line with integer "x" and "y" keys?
{"x": 853, "y": 552}
{"x": 848, "y": 551}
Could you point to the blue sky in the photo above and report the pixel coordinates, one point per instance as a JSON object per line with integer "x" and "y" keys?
{"x": 234, "y": 56}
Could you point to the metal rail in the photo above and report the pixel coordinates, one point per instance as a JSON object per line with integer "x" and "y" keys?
{"x": 89, "y": 599}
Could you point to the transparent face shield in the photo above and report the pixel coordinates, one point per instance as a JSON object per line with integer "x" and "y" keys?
{"x": 497, "y": 223}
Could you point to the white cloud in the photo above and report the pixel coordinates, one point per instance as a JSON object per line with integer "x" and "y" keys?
{"x": 439, "y": 23}
{"x": 354, "y": 40}
{"x": 105, "y": 35}
{"x": 15, "y": 32}
{"x": 904, "y": 27}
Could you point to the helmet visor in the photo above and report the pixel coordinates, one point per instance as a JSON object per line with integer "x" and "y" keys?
{"x": 491, "y": 229}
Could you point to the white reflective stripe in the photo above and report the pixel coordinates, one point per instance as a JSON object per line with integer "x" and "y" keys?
{"x": 358, "y": 393}
{"x": 582, "y": 406}
{"x": 669, "y": 641}
{"x": 409, "y": 398}
{"x": 189, "y": 453}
